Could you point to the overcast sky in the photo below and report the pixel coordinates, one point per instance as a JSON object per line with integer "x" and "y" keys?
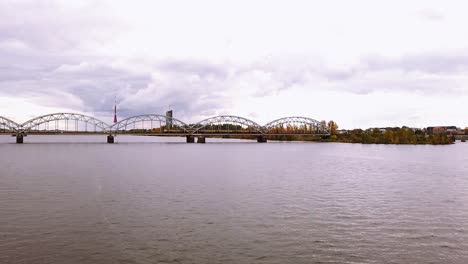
{"x": 360, "y": 63}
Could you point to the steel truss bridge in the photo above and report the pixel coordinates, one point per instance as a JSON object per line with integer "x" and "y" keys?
{"x": 161, "y": 125}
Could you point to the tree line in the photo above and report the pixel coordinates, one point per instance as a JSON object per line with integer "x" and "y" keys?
{"x": 395, "y": 135}
{"x": 391, "y": 136}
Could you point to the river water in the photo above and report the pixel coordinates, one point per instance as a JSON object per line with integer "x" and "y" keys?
{"x": 70, "y": 199}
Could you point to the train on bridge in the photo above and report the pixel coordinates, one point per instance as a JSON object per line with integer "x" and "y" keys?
{"x": 163, "y": 125}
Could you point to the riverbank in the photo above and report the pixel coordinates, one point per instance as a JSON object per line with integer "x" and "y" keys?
{"x": 398, "y": 137}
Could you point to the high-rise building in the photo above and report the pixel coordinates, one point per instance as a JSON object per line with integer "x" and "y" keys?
{"x": 169, "y": 119}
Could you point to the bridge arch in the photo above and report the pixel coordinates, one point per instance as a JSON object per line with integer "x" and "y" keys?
{"x": 227, "y": 123}
{"x": 296, "y": 124}
{"x": 45, "y": 120}
{"x": 150, "y": 121}
{"x": 8, "y": 125}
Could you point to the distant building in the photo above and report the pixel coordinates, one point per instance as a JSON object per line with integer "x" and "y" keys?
{"x": 442, "y": 130}
{"x": 381, "y": 129}
{"x": 342, "y": 131}
{"x": 451, "y": 130}
{"x": 169, "y": 119}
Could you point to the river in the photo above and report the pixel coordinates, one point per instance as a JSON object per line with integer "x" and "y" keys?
{"x": 76, "y": 199}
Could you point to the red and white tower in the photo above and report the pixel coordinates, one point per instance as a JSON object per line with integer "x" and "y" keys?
{"x": 115, "y": 111}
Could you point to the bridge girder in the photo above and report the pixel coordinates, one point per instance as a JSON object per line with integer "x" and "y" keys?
{"x": 37, "y": 121}
{"x": 8, "y": 125}
{"x": 226, "y": 119}
{"x": 162, "y": 119}
{"x": 314, "y": 125}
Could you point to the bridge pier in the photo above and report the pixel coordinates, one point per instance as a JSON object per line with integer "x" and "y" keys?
{"x": 190, "y": 139}
{"x": 261, "y": 139}
{"x": 201, "y": 139}
{"x": 110, "y": 139}
{"x": 19, "y": 139}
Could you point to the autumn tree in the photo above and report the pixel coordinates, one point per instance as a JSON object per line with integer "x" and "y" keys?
{"x": 333, "y": 127}
{"x": 323, "y": 123}
{"x": 388, "y": 137}
{"x": 376, "y": 132}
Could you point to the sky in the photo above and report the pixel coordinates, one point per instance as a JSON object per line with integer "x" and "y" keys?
{"x": 359, "y": 63}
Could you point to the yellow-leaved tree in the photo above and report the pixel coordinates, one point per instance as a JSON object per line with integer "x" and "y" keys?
{"x": 333, "y": 126}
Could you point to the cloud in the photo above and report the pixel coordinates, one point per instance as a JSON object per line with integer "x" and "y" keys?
{"x": 193, "y": 67}
{"x": 79, "y": 55}
{"x": 91, "y": 87}
{"x": 197, "y": 90}
{"x": 431, "y": 15}
{"x": 54, "y": 26}
{"x": 431, "y": 63}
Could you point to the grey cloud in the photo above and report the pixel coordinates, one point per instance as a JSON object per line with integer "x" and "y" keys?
{"x": 285, "y": 72}
{"x": 335, "y": 75}
{"x": 398, "y": 83}
{"x": 42, "y": 59}
{"x": 43, "y": 26}
{"x": 96, "y": 84}
{"x": 442, "y": 63}
{"x": 141, "y": 94}
{"x": 8, "y": 74}
{"x": 202, "y": 69}
{"x": 435, "y": 73}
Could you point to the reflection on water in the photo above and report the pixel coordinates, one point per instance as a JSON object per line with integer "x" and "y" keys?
{"x": 241, "y": 202}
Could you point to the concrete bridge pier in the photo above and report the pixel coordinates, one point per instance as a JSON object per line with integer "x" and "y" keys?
{"x": 261, "y": 139}
{"x": 190, "y": 139}
{"x": 110, "y": 139}
{"x": 19, "y": 139}
{"x": 201, "y": 139}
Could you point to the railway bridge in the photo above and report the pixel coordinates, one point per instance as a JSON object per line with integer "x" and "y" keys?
{"x": 163, "y": 125}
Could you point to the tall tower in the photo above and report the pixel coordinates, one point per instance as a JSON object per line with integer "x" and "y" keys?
{"x": 115, "y": 111}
